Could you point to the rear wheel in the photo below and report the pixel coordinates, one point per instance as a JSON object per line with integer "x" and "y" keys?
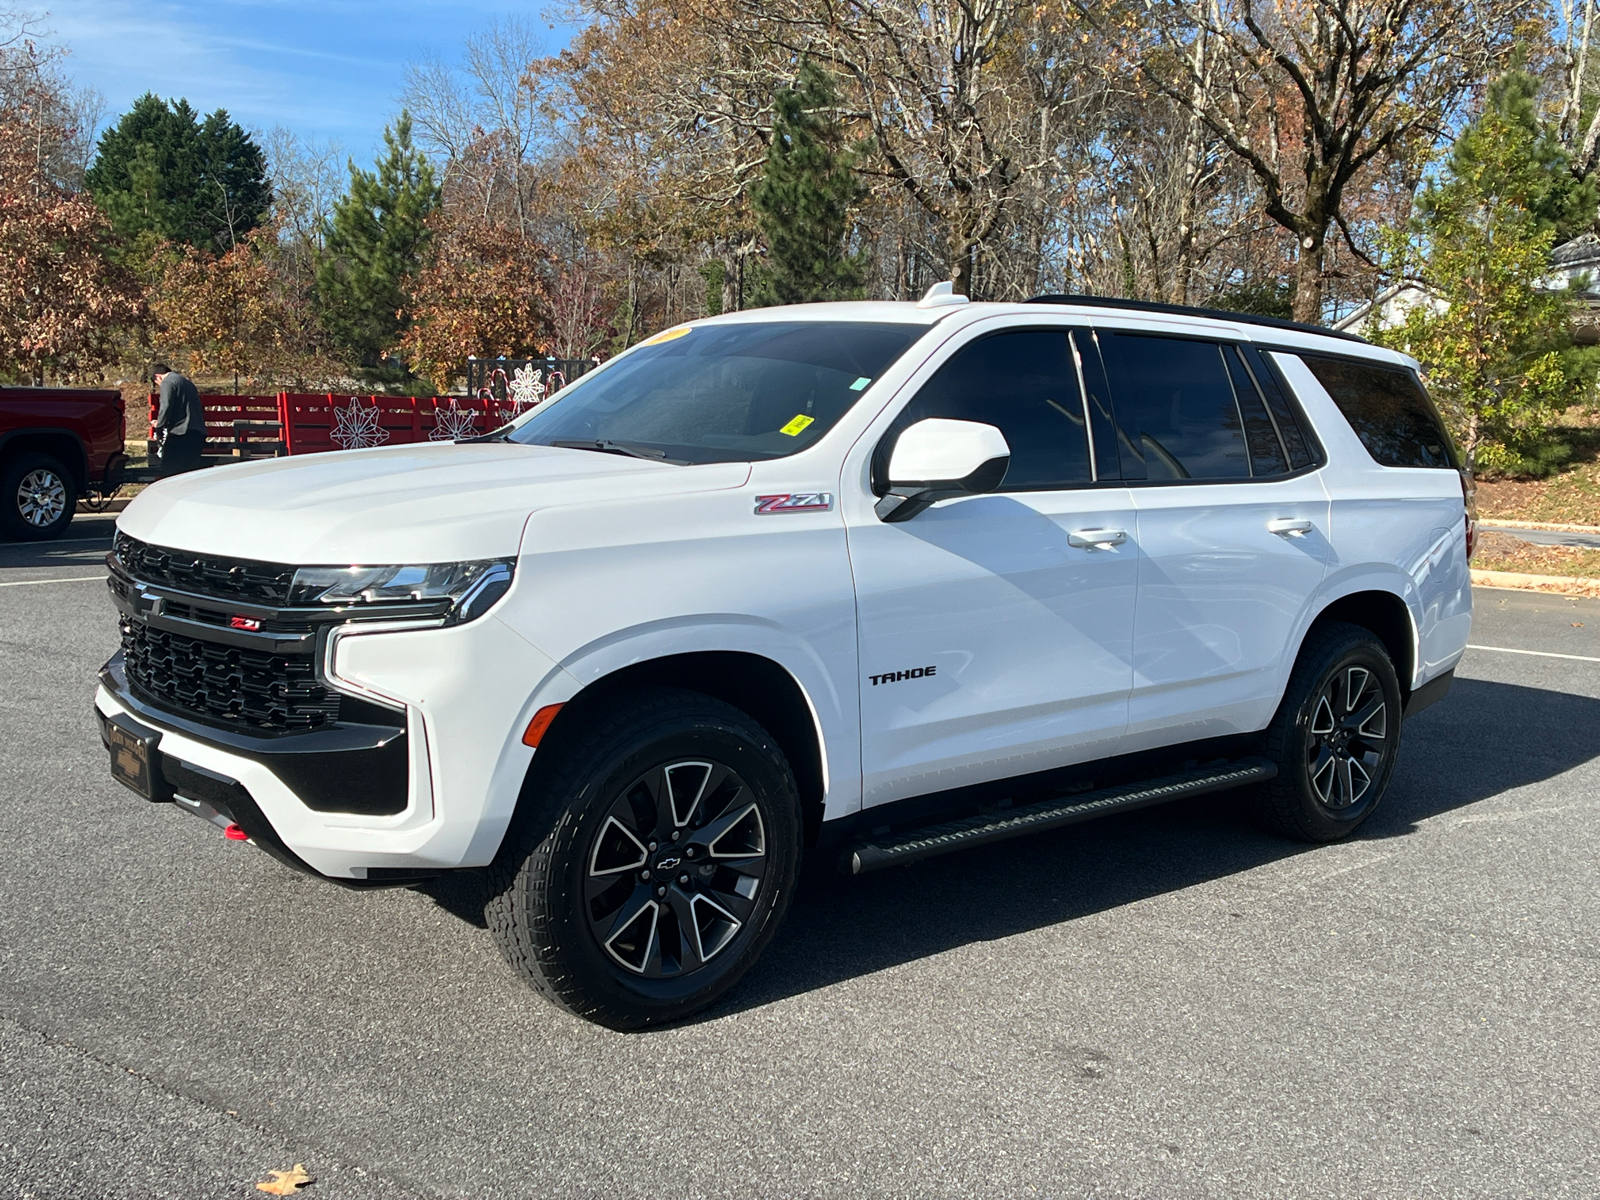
{"x": 1335, "y": 737}
{"x": 654, "y": 863}
{"x": 37, "y": 498}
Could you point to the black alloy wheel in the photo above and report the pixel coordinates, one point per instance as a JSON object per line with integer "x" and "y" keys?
{"x": 1347, "y": 738}
{"x": 1336, "y": 735}
{"x": 675, "y": 869}
{"x": 653, "y": 854}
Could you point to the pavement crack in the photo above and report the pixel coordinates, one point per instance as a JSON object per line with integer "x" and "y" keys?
{"x": 309, "y": 1149}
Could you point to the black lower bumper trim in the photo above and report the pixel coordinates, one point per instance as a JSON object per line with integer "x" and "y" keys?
{"x": 231, "y": 800}
{"x": 347, "y": 767}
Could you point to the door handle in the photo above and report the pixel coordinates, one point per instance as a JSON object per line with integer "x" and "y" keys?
{"x": 1096, "y": 539}
{"x": 1290, "y": 527}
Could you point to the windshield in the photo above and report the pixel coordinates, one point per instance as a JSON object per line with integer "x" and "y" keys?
{"x": 722, "y": 393}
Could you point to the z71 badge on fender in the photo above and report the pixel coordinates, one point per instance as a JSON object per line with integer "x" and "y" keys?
{"x": 794, "y": 502}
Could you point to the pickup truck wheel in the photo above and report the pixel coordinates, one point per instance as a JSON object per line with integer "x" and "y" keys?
{"x": 37, "y": 498}
{"x": 655, "y": 862}
{"x": 1335, "y": 737}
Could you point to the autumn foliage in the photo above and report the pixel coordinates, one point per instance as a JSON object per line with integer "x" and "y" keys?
{"x": 482, "y": 294}
{"x": 62, "y": 303}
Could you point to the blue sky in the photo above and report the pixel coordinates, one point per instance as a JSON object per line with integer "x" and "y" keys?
{"x": 330, "y": 69}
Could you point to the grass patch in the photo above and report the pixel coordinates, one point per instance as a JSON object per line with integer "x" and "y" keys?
{"x": 1502, "y": 552}
{"x": 1570, "y": 495}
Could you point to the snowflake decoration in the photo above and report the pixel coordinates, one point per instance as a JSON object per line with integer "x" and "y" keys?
{"x": 526, "y": 388}
{"x": 452, "y": 424}
{"x": 355, "y": 426}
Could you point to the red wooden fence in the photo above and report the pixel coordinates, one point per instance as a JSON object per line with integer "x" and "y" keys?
{"x": 221, "y": 413}
{"x": 310, "y": 423}
{"x": 316, "y": 423}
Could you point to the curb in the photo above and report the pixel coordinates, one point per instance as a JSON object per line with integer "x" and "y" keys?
{"x": 113, "y": 506}
{"x": 1548, "y": 526}
{"x": 1571, "y": 585}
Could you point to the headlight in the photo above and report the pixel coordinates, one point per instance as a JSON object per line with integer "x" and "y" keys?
{"x": 470, "y": 587}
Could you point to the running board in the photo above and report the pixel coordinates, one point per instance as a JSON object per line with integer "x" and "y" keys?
{"x": 916, "y": 844}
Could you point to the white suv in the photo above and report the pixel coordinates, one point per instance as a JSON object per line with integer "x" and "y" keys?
{"x": 881, "y": 580}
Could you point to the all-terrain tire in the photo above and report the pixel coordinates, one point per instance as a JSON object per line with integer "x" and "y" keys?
{"x": 37, "y": 498}
{"x": 1335, "y": 736}
{"x": 585, "y": 816}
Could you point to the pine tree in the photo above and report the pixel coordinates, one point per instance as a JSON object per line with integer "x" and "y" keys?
{"x": 1497, "y": 345}
{"x": 1545, "y": 184}
{"x": 804, "y": 197}
{"x": 376, "y": 240}
{"x": 161, "y": 173}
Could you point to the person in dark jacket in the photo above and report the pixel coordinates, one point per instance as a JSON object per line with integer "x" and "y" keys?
{"x": 180, "y": 428}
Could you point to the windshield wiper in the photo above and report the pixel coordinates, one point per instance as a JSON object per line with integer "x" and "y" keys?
{"x": 607, "y": 446}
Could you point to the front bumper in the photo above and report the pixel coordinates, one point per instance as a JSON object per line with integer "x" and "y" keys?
{"x": 349, "y": 769}
{"x": 225, "y": 801}
{"x": 453, "y": 772}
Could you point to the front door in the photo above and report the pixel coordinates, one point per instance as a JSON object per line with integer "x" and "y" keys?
{"x": 996, "y": 631}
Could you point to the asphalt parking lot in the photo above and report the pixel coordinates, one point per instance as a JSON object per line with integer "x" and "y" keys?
{"x": 1162, "y": 1004}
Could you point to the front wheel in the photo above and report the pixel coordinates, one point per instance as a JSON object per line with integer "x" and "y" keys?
{"x": 655, "y": 858}
{"x": 1335, "y": 737}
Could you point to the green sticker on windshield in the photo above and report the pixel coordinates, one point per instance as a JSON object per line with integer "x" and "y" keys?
{"x": 860, "y": 383}
{"x": 796, "y": 426}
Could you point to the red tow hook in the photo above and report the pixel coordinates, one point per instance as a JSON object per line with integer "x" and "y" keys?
{"x": 234, "y": 833}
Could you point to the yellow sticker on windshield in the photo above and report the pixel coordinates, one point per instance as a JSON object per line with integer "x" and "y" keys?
{"x": 797, "y": 426}
{"x": 667, "y": 335}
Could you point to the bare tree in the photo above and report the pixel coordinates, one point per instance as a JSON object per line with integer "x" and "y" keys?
{"x": 1311, "y": 93}
{"x": 485, "y": 119}
{"x": 1578, "y": 64}
{"x": 64, "y": 117}
{"x": 962, "y": 97}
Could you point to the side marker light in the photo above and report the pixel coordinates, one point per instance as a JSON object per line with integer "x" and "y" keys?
{"x": 540, "y": 723}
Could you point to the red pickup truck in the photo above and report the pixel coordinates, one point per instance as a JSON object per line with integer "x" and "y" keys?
{"x": 56, "y": 444}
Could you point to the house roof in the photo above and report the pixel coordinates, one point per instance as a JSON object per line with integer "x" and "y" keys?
{"x": 1580, "y": 251}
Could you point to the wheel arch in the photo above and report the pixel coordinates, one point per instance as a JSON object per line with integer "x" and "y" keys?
{"x": 759, "y": 686}
{"x": 61, "y": 444}
{"x": 1389, "y": 618}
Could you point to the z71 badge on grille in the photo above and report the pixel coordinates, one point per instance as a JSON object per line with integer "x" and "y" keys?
{"x": 794, "y": 502}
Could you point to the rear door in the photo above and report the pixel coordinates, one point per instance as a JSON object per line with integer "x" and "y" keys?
{"x": 1233, "y": 524}
{"x": 996, "y": 631}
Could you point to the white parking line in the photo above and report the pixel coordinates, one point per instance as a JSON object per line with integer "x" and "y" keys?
{"x": 36, "y": 582}
{"x": 1535, "y": 653}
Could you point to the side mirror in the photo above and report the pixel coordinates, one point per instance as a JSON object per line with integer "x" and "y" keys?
{"x": 939, "y": 459}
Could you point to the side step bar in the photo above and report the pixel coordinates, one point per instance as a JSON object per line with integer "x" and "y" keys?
{"x": 917, "y": 844}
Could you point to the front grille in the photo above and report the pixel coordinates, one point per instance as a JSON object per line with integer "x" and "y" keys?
{"x": 247, "y": 689}
{"x": 204, "y": 574}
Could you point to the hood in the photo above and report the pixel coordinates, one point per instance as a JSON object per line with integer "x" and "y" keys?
{"x": 395, "y": 504}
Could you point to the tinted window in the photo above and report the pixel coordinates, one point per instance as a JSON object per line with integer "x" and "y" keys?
{"x": 1260, "y": 431}
{"x": 1026, "y": 384}
{"x": 1389, "y": 411}
{"x": 1175, "y": 402}
{"x": 1294, "y": 437}
{"x": 724, "y": 393}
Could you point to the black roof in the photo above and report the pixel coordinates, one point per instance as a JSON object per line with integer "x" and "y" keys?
{"x": 1184, "y": 310}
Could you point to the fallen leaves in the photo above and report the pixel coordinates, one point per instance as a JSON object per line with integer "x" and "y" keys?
{"x": 286, "y": 1183}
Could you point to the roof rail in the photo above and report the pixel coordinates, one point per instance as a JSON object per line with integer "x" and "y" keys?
{"x": 1184, "y": 310}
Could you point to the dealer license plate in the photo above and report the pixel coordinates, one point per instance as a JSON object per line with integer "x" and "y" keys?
{"x": 132, "y": 758}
